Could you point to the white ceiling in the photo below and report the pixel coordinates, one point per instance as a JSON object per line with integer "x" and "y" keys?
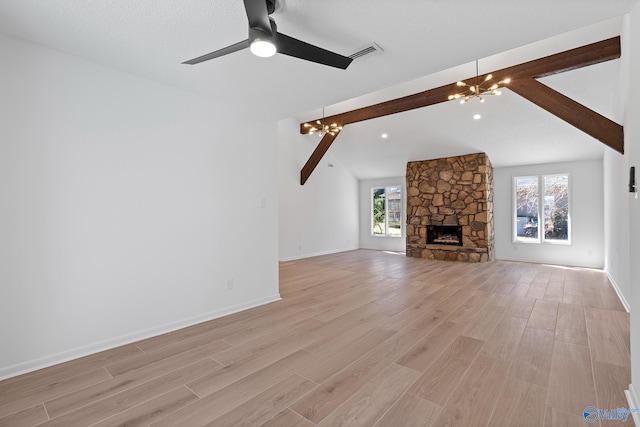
{"x": 424, "y": 42}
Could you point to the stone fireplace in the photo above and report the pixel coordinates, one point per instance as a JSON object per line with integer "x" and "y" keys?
{"x": 450, "y": 209}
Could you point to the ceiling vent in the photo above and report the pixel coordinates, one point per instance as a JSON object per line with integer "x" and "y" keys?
{"x": 366, "y": 52}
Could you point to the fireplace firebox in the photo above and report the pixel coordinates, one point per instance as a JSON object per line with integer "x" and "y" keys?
{"x": 444, "y": 235}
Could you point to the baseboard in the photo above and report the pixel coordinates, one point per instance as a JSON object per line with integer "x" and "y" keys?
{"x": 634, "y": 403}
{"x": 537, "y": 261}
{"x": 75, "y": 353}
{"x": 623, "y": 300}
{"x": 303, "y": 256}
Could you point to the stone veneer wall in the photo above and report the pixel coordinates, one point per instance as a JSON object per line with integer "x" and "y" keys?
{"x": 451, "y": 191}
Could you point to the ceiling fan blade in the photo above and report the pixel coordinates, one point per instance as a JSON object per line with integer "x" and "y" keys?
{"x": 221, "y": 52}
{"x": 299, "y": 49}
{"x": 258, "y": 15}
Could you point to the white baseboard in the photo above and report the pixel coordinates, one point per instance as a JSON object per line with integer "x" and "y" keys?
{"x": 75, "y": 353}
{"x": 303, "y": 256}
{"x": 632, "y": 398}
{"x": 623, "y": 300}
{"x": 547, "y": 262}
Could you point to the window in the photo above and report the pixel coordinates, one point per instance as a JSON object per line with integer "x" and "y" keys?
{"x": 386, "y": 211}
{"x": 542, "y": 209}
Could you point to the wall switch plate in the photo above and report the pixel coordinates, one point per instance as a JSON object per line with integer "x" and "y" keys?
{"x": 229, "y": 284}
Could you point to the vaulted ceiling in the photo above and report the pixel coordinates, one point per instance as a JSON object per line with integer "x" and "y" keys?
{"x": 426, "y": 44}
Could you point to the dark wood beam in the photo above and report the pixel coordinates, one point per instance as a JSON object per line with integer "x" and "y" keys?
{"x": 594, "y": 53}
{"x": 316, "y": 156}
{"x": 599, "y": 127}
{"x": 572, "y": 59}
{"x": 394, "y": 106}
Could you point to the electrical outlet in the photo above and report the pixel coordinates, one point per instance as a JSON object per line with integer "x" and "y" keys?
{"x": 229, "y": 284}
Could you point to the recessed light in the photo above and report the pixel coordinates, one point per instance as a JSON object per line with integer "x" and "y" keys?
{"x": 384, "y": 136}
{"x": 477, "y": 117}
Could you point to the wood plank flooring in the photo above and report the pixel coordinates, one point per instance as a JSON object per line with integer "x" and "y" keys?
{"x": 362, "y": 338}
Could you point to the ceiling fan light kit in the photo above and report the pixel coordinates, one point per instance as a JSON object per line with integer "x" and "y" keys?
{"x": 262, "y": 48}
{"x": 262, "y": 43}
{"x": 265, "y": 40}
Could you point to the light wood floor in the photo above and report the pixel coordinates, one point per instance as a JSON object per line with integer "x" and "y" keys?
{"x": 363, "y": 338}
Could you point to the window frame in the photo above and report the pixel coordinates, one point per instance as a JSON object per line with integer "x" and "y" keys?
{"x": 541, "y": 240}
{"x": 386, "y": 211}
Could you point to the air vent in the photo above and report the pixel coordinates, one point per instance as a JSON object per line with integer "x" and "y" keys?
{"x": 366, "y": 52}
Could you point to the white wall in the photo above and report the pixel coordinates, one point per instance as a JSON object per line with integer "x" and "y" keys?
{"x": 586, "y": 210}
{"x": 126, "y": 205}
{"x": 383, "y": 243}
{"x": 632, "y": 149}
{"x": 616, "y": 195}
{"x": 616, "y": 214}
{"x": 320, "y": 217}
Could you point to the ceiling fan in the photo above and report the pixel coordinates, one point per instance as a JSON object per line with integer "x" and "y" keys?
{"x": 265, "y": 40}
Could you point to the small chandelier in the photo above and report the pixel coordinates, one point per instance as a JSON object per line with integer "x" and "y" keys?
{"x": 479, "y": 89}
{"x": 321, "y": 128}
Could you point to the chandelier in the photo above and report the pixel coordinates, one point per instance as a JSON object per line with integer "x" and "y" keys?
{"x": 321, "y": 128}
{"x": 479, "y": 89}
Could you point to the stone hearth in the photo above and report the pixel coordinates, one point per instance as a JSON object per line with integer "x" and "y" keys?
{"x": 452, "y": 191}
